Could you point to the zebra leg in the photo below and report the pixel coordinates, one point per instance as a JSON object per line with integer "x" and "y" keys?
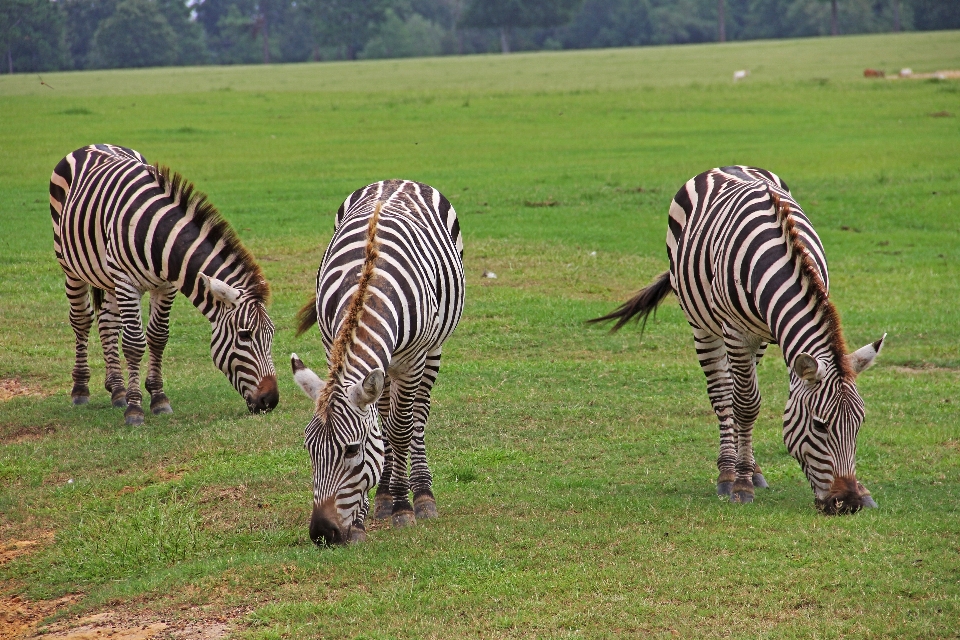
{"x": 158, "y": 330}
{"x": 108, "y": 324}
{"x": 382, "y": 499}
{"x": 758, "y": 480}
{"x": 741, "y": 353}
{"x": 134, "y": 344}
{"x": 421, "y": 480}
{"x": 81, "y": 318}
{"x": 399, "y": 431}
{"x": 712, "y": 356}
{"x": 358, "y": 532}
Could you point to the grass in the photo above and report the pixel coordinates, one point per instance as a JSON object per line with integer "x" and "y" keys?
{"x": 574, "y": 469}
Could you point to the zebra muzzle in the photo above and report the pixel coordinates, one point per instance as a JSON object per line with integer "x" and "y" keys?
{"x": 266, "y": 396}
{"x": 324, "y": 525}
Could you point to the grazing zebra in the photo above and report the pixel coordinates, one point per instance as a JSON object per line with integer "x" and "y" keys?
{"x": 389, "y": 293}
{"x": 749, "y": 270}
{"x": 122, "y": 227}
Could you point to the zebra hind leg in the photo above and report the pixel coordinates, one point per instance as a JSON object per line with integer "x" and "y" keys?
{"x": 108, "y": 324}
{"x": 758, "y": 480}
{"x": 81, "y": 318}
{"x": 712, "y": 356}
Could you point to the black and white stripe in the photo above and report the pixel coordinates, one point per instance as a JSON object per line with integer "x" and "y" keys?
{"x": 122, "y": 228}
{"x": 390, "y": 291}
{"x": 748, "y": 270}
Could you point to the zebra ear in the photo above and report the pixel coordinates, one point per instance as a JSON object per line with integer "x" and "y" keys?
{"x": 221, "y": 291}
{"x": 306, "y": 379}
{"x": 809, "y": 368}
{"x": 862, "y": 358}
{"x": 364, "y": 393}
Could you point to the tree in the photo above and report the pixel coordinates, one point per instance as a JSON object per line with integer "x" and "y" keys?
{"x": 511, "y": 14}
{"x": 31, "y": 35}
{"x": 136, "y": 35}
{"x": 347, "y": 23}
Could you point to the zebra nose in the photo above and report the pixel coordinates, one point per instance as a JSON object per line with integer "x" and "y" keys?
{"x": 266, "y": 396}
{"x": 323, "y": 529}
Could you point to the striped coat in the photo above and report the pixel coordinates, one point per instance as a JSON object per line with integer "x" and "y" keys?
{"x": 390, "y": 292}
{"x": 122, "y": 228}
{"x": 748, "y": 269}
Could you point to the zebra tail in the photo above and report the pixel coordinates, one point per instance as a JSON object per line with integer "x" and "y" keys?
{"x": 97, "y": 294}
{"x": 307, "y": 316}
{"x": 639, "y": 306}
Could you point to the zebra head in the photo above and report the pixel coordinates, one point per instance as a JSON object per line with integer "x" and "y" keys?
{"x": 346, "y": 451}
{"x": 820, "y": 424}
{"x": 241, "y": 343}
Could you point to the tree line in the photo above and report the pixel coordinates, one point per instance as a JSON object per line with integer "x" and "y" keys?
{"x": 39, "y": 35}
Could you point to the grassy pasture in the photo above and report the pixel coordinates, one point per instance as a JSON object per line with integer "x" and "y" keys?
{"x": 574, "y": 469}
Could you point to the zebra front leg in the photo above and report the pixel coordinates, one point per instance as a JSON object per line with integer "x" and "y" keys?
{"x": 81, "y": 318}
{"x": 358, "y": 532}
{"x": 158, "y": 331}
{"x": 382, "y": 499}
{"x": 712, "y": 356}
{"x": 741, "y": 353}
{"x": 421, "y": 480}
{"x": 108, "y": 324}
{"x": 399, "y": 432}
{"x": 134, "y": 345}
{"x": 758, "y": 480}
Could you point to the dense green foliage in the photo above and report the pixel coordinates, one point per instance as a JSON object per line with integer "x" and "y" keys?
{"x": 44, "y": 35}
{"x": 574, "y": 469}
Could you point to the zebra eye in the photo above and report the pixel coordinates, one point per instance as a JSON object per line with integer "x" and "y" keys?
{"x": 245, "y": 335}
{"x": 352, "y": 450}
{"x": 819, "y": 425}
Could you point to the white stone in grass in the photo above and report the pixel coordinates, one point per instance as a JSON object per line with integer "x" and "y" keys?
{"x": 489, "y": 274}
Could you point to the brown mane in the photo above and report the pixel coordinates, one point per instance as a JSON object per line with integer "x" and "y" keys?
{"x": 348, "y": 331}
{"x": 183, "y": 191}
{"x": 809, "y": 272}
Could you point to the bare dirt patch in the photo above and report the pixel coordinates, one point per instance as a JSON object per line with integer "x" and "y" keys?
{"x": 14, "y": 388}
{"x": 11, "y": 550}
{"x": 19, "y": 618}
{"x": 112, "y": 625}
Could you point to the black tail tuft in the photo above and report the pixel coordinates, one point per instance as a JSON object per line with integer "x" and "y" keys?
{"x": 307, "y": 316}
{"x": 97, "y": 295}
{"x": 641, "y": 305}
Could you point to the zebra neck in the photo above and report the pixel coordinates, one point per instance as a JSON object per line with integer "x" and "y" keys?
{"x": 809, "y": 333}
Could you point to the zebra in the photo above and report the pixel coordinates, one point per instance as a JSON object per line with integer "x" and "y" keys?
{"x": 390, "y": 291}
{"x": 749, "y": 270}
{"x": 122, "y": 227}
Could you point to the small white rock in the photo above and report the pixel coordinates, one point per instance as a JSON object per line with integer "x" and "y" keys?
{"x": 70, "y": 481}
{"x": 593, "y": 253}
{"x": 489, "y": 274}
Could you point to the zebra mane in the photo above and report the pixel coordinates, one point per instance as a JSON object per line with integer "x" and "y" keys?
{"x": 204, "y": 212}
{"x": 809, "y": 272}
{"x": 351, "y": 322}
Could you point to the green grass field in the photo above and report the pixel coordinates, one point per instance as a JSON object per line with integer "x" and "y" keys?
{"x": 574, "y": 469}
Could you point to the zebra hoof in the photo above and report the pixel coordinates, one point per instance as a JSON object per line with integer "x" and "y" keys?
{"x": 403, "y": 519}
{"x": 357, "y": 534}
{"x": 160, "y": 404}
{"x": 759, "y": 481}
{"x": 80, "y": 394}
{"x": 724, "y": 489}
{"x": 425, "y": 507}
{"x": 741, "y": 497}
{"x": 382, "y": 506}
{"x": 133, "y": 416}
{"x": 119, "y": 399}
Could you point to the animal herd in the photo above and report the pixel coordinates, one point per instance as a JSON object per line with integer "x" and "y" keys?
{"x": 746, "y": 266}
